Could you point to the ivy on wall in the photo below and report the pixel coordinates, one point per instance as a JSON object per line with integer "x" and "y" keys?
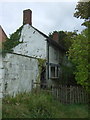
{"x": 12, "y": 41}
{"x": 41, "y": 63}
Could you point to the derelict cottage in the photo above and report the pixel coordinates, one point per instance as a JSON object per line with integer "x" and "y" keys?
{"x": 36, "y": 58}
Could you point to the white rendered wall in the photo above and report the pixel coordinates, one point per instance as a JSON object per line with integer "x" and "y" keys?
{"x": 19, "y": 71}
{"x": 54, "y": 58}
{"x": 34, "y": 44}
{"x": 54, "y": 55}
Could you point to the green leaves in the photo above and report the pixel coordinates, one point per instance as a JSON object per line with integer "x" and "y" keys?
{"x": 65, "y": 38}
{"x": 12, "y": 41}
{"x": 78, "y": 53}
{"x": 82, "y": 10}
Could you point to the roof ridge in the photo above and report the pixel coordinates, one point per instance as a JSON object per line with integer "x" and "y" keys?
{"x": 50, "y": 40}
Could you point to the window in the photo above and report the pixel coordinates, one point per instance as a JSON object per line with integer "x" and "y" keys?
{"x": 54, "y": 72}
{"x": 56, "y": 54}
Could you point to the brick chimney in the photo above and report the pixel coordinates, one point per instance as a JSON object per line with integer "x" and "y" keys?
{"x": 56, "y": 36}
{"x": 27, "y": 17}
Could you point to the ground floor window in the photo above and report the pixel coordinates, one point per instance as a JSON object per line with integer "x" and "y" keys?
{"x": 54, "y": 71}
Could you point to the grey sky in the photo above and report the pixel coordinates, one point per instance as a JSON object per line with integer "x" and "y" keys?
{"x": 46, "y": 16}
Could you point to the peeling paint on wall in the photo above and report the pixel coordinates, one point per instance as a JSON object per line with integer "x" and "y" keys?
{"x": 34, "y": 44}
{"x": 19, "y": 71}
{"x": 24, "y": 65}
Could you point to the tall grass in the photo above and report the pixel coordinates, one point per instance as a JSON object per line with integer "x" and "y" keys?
{"x": 40, "y": 105}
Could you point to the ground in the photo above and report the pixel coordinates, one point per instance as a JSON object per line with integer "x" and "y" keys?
{"x": 40, "y": 104}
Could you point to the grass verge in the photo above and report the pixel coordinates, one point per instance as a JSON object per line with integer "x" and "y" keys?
{"x": 40, "y": 105}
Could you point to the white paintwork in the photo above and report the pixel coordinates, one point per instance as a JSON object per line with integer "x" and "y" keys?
{"x": 54, "y": 55}
{"x": 19, "y": 71}
{"x": 54, "y": 58}
{"x": 34, "y": 44}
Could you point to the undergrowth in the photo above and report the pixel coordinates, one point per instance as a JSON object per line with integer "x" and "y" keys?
{"x": 40, "y": 104}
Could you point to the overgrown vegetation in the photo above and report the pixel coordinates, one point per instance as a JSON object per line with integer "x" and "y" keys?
{"x": 67, "y": 76}
{"x": 65, "y": 38}
{"x": 79, "y": 50}
{"x": 82, "y": 10}
{"x": 40, "y": 104}
{"x": 12, "y": 41}
{"x": 41, "y": 64}
{"x": 78, "y": 53}
{"x": 66, "y": 66}
{"x": 77, "y": 47}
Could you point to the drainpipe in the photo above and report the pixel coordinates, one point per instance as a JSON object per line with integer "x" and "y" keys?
{"x": 47, "y": 64}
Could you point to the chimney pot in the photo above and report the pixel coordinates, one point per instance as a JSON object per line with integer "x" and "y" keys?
{"x": 27, "y": 17}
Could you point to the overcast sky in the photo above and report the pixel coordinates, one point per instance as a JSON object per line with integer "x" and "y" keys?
{"x": 46, "y": 16}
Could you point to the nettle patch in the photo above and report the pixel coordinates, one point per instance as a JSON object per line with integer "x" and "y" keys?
{"x": 12, "y": 41}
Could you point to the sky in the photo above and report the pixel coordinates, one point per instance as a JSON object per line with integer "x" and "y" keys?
{"x": 46, "y": 16}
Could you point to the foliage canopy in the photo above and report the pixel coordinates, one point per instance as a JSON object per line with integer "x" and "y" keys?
{"x": 65, "y": 38}
{"x": 79, "y": 50}
{"x": 78, "y": 53}
{"x": 82, "y": 10}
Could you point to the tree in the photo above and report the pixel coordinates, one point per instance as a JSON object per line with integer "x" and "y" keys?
{"x": 68, "y": 40}
{"x": 78, "y": 53}
{"x": 65, "y": 38}
{"x": 82, "y": 10}
{"x": 79, "y": 50}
